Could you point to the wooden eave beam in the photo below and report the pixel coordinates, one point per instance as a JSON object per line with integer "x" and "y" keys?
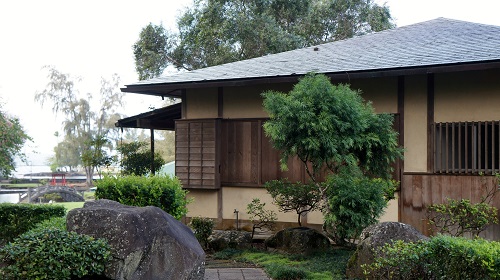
{"x": 174, "y": 89}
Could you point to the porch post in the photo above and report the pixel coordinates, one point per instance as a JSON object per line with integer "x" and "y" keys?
{"x": 152, "y": 151}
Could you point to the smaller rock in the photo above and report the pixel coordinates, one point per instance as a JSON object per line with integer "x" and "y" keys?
{"x": 300, "y": 240}
{"x": 222, "y": 239}
{"x": 376, "y": 236}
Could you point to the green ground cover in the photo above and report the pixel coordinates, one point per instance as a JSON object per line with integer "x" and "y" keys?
{"x": 329, "y": 264}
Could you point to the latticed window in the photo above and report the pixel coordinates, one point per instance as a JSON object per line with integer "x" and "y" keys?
{"x": 467, "y": 147}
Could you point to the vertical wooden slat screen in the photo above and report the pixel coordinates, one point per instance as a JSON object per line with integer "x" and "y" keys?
{"x": 467, "y": 147}
{"x": 197, "y": 153}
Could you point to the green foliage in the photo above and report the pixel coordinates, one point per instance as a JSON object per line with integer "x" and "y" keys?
{"x": 227, "y": 254}
{"x": 460, "y": 217}
{"x": 12, "y": 139}
{"x": 164, "y": 192}
{"x": 52, "y": 196}
{"x": 326, "y": 265}
{"x": 297, "y": 197}
{"x": 284, "y": 272}
{"x": 260, "y": 217}
{"x": 136, "y": 159}
{"x": 16, "y": 219}
{"x": 443, "y": 257}
{"x": 330, "y": 126}
{"x": 96, "y": 154}
{"x": 214, "y": 32}
{"x": 53, "y": 223}
{"x": 150, "y": 51}
{"x": 202, "y": 228}
{"x": 354, "y": 202}
{"x": 53, "y": 254}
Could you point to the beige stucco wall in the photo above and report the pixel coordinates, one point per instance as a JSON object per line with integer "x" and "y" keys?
{"x": 467, "y": 96}
{"x": 246, "y": 102}
{"x": 415, "y": 126}
{"x": 382, "y": 92}
{"x": 201, "y": 104}
{"x": 239, "y": 197}
{"x": 204, "y": 203}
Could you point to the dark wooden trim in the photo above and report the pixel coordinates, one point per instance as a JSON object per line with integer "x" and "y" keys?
{"x": 430, "y": 122}
{"x": 184, "y": 104}
{"x": 220, "y": 206}
{"x": 220, "y": 102}
{"x": 401, "y": 138}
{"x": 175, "y": 89}
{"x": 152, "y": 140}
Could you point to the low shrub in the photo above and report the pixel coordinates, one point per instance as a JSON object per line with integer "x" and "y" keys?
{"x": 354, "y": 201}
{"x": 16, "y": 219}
{"x": 461, "y": 217}
{"x": 227, "y": 254}
{"x": 203, "y": 228}
{"x": 161, "y": 191}
{"x": 53, "y": 223}
{"x": 285, "y": 272}
{"x": 261, "y": 218}
{"x": 53, "y": 254}
{"x": 443, "y": 257}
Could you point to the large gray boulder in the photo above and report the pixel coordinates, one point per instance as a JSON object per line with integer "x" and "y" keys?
{"x": 300, "y": 240}
{"x": 376, "y": 236}
{"x": 146, "y": 242}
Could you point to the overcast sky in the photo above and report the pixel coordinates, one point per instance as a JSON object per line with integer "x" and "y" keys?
{"x": 93, "y": 39}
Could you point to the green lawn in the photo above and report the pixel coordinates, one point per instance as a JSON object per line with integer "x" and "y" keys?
{"x": 70, "y": 205}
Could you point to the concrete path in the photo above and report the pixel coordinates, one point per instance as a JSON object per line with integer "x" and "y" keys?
{"x": 235, "y": 274}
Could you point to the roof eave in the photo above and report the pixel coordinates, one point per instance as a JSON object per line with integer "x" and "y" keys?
{"x": 175, "y": 89}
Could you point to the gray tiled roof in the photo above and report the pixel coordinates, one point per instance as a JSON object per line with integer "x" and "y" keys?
{"x": 436, "y": 42}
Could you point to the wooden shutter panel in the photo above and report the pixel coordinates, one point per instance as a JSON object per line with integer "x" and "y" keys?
{"x": 197, "y": 153}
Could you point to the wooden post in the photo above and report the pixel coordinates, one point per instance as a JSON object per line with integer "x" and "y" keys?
{"x": 152, "y": 151}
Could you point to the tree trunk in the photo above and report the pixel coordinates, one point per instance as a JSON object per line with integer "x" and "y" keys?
{"x": 89, "y": 172}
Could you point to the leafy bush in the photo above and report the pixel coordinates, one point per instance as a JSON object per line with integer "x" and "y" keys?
{"x": 16, "y": 219}
{"x": 136, "y": 159}
{"x": 53, "y": 254}
{"x": 161, "y": 191}
{"x": 443, "y": 257}
{"x": 260, "y": 217}
{"x": 53, "y": 223}
{"x": 459, "y": 217}
{"x": 285, "y": 272}
{"x": 297, "y": 197}
{"x": 354, "y": 202}
{"x": 203, "y": 228}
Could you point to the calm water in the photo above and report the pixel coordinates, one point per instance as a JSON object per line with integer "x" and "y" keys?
{"x": 11, "y": 197}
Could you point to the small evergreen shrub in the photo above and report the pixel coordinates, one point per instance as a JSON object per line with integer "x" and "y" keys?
{"x": 16, "y": 219}
{"x": 443, "y": 257}
{"x": 354, "y": 202}
{"x": 161, "y": 191}
{"x": 53, "y": 254}
{"x": 261, "y": 218}
{"x": 285, "y": 272}
{"x": 202, "y": 228}
{"x": 53, "y": 223}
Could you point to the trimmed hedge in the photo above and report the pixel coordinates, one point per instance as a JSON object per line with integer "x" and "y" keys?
{"x": 161, "y": 191}
{"x": 53, "y": 253}
{"x": 16, "y": 219}
{"x": 442, "y": 257}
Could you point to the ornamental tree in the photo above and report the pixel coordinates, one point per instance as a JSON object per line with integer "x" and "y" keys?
{"x": 12, "y": 139}
{"x": 331, "y": 129}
